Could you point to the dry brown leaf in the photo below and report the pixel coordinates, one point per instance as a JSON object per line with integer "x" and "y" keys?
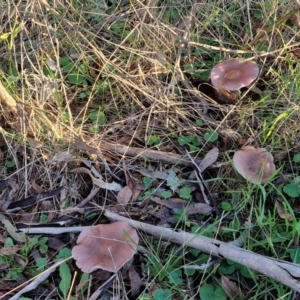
{"x": 9, "y": 250}
{"x": 131, "y": 184}
{"x": 12, "y": 230}
{"x": 135, "y": 280}
{"x": 281, "y": 211}
{"x": 125, "y": 195}
{"x": 172, "y": 203}
{"x": 14, "y": 188}
{"x": 230, "y": 287}
{"x": 36, "y": 186}
{"x": 135, "y": 195}
{"x": 210, "y": 158}
{"x": 198, "y": 208}
{"x": 34, "y": 143}
{"x": 60, "y": 157}
{"x": 113, "y": 186}
{"x": 22, "y": 262}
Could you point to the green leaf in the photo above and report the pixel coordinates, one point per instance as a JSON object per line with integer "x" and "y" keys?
{"x": 65, "y": 276}
{"x": 41, "y": 264}
{"x": 185, "y": 140}
{"x": 44, "y": 218}
{"x": 102, "y": 87}
{"x": 296, "y": 158}
{"x": 64, "y": 253}
{"x": 226, "y": 206}
{"x": 65, "y": 117}
{"x": 226, "y": 268}
{"x": 175, "y": 277}
{"x": 98, "y": 117}
{"x": 166, "y": 194}
{"x": 144, "y": 297}
{"x": 211, "y": 136}
{"x": 84, "y": 280}
{"x": 295, "y": 255}
{"x": 208, "y": 292}
{"x": 8, "y": 242}
{"x": 153, "y": 140}
{"x": 172, "y": 181}
{"x": 189, "y": 272}
{"x": 246, "y": 272}
{"x": 10, "y": 163}
{"x": 4, "y": 36}
{"x": 199, "y": 122}
{"x": 118, "y": 27}
{"x": 185, "y": 193}
{"x": 63, "y": 61}
{"x": 76, "y": 78}
{"x": 147, "y": 182}
{"x": 161, "y": 294}
{"x": 292, "y": 190}
{"x": 94, "y": 129}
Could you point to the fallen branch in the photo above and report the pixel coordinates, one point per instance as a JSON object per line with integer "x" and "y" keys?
{"x": 282, "y": 271}
{"x": 153, "y": 155}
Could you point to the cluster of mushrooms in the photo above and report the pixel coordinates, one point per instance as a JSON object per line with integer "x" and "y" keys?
{"x": 110, "y": 246}
{"x": 254, "y": 164}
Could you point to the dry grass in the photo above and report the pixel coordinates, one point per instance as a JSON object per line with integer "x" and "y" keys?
{"x": 131, "y": 61}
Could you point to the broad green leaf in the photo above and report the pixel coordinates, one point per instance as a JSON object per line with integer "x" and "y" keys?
{"x": 65, "y": 279}
{"x": 166, "y": 194}
{"x": 211, "y": 136}
{"x": 296, "y": 158}
{"x": 208, "y": 292}
{"x": 185, "y": 193}
{"x": 153, "y": 140}
{"x": 292, "y": 190}
{"x": 41, "y": 264}
{"x": 184, "y": 140}
{"x": 98, "y": 117}
{"x": 10, "y": 163}
{"x": 175, "y": 277}
{"x": 161, "y": 294}
{"x": 226, "y": 206}
{"x": 76, "y": 78}
{"x": 64, "y": 253}
{"x": 147, "y": 182}
{"x": 102, "y": 87}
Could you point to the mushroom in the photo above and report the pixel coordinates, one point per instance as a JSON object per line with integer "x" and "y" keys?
{"x": 254, "y": 164}
{"x": 231, "y": 75}
{"x": 105, "y": 246}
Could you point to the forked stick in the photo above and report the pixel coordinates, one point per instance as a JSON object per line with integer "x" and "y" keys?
{"x": 280, "y": 270}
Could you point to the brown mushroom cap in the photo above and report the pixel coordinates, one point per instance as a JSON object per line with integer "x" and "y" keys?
{"x": 105, "y": 246}
{"x": 233, "y": 74}
{"x": 254, "y": 164}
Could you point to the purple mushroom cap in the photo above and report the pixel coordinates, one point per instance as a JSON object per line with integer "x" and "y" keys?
{"x": 233, "y": 74}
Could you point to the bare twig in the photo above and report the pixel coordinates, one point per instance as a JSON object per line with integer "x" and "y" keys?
{"x": 92, "y": 194}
